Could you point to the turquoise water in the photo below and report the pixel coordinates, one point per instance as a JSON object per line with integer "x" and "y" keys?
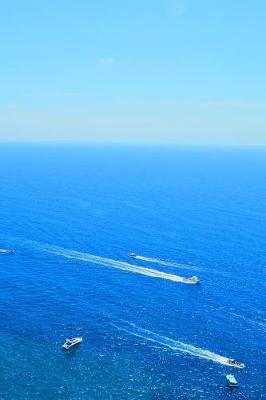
{"x": 72, "y": 213}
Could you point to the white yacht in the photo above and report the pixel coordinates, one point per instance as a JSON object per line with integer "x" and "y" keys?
{"x": 6, "y": 251}
{"x": 193, "y": 280}
{"x": 134, "y": 255}
{"x": 72, "y": 342}
{"x": 234, "y": 363}
{"x": 231, "y": 380}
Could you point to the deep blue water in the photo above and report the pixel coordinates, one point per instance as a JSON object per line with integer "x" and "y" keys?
{"x": 201, "y": 210}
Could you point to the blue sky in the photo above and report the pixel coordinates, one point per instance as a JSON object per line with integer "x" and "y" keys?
{"x": 170, "y": 71}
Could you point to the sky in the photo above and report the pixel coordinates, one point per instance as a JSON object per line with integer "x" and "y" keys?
{"x": 142, "y": 71}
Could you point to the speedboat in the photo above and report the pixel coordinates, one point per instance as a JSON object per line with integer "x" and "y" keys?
{"x": 234, "y": 363}
{"x": 6, "y": 251}
{"x": 231, "y": 380}
{"x": 72, "y": 342}
{"x": 194, "y": 280}
{"x": 134, "y": 255}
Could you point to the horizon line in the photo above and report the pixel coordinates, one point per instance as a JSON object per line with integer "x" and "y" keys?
{"x": 128, "y": 144}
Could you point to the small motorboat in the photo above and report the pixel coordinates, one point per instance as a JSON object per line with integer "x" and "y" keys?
{"x": 6, "y": 251}
{"x": 234, "y": 363}
{"x": 72, "y": 342}
{"x": 231, "y": 380}
{"x": 193, "y": 280}
{"x": 134, "y": 255}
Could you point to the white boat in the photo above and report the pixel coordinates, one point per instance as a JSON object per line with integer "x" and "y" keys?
{"x": 72, "y": 342}
{"x": 134, "y": 255}
{"x": 234, "y": 363}
{"x": 231, "y": 380}
{"x": 193, "y": 280}
{"x": 6, "y": 251}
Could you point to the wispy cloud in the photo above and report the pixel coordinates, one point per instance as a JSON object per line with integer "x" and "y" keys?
{"x": 178, "y": 7}
{"x": 107, "y": 60}
{"x": 234, "y": 104}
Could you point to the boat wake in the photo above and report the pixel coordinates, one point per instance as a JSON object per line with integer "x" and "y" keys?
{"x": 175, "y": 345}
{"x": 166, "y": 263}
{"x": 260, "y": 324}
{"x": 108, "y": 262}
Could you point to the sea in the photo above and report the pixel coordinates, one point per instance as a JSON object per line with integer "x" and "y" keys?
{"x": 72, "y": 212}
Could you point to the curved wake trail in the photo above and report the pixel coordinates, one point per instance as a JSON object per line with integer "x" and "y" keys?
{"x": 166, "y": 263}
{"x": 175, "y": 345}
{"x": 108, "y": 262}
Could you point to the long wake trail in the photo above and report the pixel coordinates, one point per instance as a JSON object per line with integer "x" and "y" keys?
{"x": 166, "y": 263}
{"x": 108, "y": 262}
{"x": 175, "y": 345}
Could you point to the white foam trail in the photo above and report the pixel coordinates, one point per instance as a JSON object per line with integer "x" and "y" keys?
{"x": 166, "y": 263}
{"x": 176, "y": 345}
{"x": 260, "y": 324}
{"x": 153, "y": 273}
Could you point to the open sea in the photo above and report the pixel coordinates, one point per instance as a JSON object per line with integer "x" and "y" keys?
{"x": 72, "y": 213}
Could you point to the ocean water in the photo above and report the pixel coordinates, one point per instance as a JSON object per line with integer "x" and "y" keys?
{"x": 72, "y": 213}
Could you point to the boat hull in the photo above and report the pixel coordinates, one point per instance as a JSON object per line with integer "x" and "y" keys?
{"x": 71, "y": 343}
